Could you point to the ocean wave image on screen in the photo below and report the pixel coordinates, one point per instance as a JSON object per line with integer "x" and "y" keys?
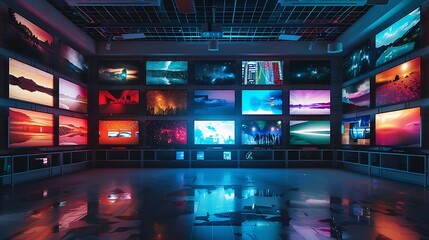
{"x": 214, "y": 102}
{"x": 398, "y": 39}
{"x": 214, "y": 72}
{"x": 261, "y": 132}
{"x": 313, "y": 132}
{"x": 262, "y": 102}
{"x": 398, "y": 84}
{"x": 166, "y": 72}
{"x": 398, "y": 128}
{"x": 356, "y": 131}
{"x": 356, "y": 96}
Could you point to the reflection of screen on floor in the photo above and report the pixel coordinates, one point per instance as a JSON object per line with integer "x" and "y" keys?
{"x": 226, "y": 155}
{"x": 200, "y": 155}
{"x": 180, "y": 155}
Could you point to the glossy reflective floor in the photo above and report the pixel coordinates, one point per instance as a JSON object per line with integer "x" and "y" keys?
{"x": 222, "y": 204}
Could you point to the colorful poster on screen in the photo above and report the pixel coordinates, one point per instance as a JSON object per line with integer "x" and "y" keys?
{"x": 118, "y": 132}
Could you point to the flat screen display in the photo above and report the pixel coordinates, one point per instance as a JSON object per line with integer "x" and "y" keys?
{"x": 27, "y": 38}
{"x": 398, "y": 39}
{"x": 166, "y": 132}
{"x": 30, "y": 129}
{"x": 310, "y": 72}
{"x": 118, "y": 101}
{"x": 398, "y": 128}
{"x": 398, "y": 84}
{"x": 71, "y": 60}
{"x": 118, "y": 132}
{"x": 214, "y": 102}
{"x": 262, "y": 72}
{"x": 118, "y": 72}
{"x": 166, "y": 72}
{"x": 310, "y": 102}
{"x": 261, "y": 102}
{"x": 215, "y": 72}
{"x": 312, "y": 132}
{"x": 356, "y": 96}
{"x": 356, "y": 131}
{"x": 72, "y": 96}
{"x": 166, "y": 102}
{"x": 357, "y": 62}
{"x": 72, "y": 131}
{"x": 214, "y": 132}
{"x": 30, "y": 84}
{"x": 261, "y": 132}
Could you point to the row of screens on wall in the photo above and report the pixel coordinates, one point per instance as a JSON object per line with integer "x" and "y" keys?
{"x": 401, "y": 83}
{"x": 30, "y": 84}
{"x": 398, "y": 39}
{"x": 215, "y": 72}
{"x": 32, "y": 41}
{"x": 397, "y": 128}
{"x": 215, "y": 102}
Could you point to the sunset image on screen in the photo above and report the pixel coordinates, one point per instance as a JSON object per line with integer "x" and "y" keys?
{"x": 118, "y": 132}
{"x": 398, "y": 84}
{"x": 29, "y": 39}
{"x": 398, "y": 128}
{"x": 30, "y": 129}
{"x": 72, "y": 97}
{"x": 310, "y": 102}
{"x": 72, "y": 131}
{"x": 30, "y": 84}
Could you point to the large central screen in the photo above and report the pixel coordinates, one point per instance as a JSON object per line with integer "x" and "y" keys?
{"x": 118, "y": 132}
{"x": 214, "y": 102}
{"x": 30, "y": 84}
{"x": 72, "y": 131}
{"x": 261, "y": 102}
{"x": 398, "y": 128}
{"x": 262, "y": 72}
{"x": 166, "y": 102}
{"x": 214, "y": 132}
{"x": 310, "y": 102}
{"x": 398, "y": 84}
{"x": 214, "y": 72}
{"x": 398, "y": 39}
{"x": 30, "y": 129}
{"x": 356, "y": 131}
{"x": 261, "y": 132}
{"x": 166, "y": 132}
{"x": 166, "y": 72}
{"x": 313, "y": 132}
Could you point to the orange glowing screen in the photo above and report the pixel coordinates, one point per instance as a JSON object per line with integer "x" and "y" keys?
{"x": 30, "y": 84}
{"x": 41, "y": 34}
{"x": 398, "y": 128}
{"x": 30, "y": 128}
{"x": 72, "y": 131}
{"x": 118, "y": 132}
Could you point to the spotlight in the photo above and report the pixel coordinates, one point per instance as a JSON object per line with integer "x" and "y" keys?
{"x": 108, "y": 46}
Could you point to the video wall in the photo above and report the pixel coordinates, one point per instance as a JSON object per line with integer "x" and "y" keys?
{"x": 382, "y": 109}
{"x": 204, "y": 103}
{"x": 46, "y": 86}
